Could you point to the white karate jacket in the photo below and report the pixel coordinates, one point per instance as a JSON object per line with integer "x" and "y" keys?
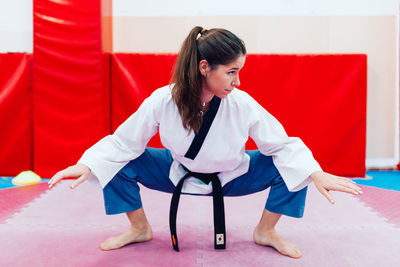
{"x": 223, "y": 150}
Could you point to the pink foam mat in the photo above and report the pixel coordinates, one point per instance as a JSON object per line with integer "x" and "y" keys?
{"x": 13, "y": 199}
{"x": 384, "y": 201}
{"x": 62, "y": 227}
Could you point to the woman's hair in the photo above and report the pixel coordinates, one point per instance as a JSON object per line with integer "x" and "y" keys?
{"x": 217, "y": 46}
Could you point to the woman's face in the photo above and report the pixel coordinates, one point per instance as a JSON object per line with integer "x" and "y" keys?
{"x": 221, "y": 80}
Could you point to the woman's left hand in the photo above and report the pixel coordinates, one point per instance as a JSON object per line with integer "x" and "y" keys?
{"x": 326, "y": 182}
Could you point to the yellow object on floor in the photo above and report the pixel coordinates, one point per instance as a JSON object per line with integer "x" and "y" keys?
{"x": 26, "y": 178}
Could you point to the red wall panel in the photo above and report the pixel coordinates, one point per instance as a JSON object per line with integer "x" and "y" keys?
{"x": 15, "y": 113}
{"x": 71, "y": 103}
{"x": 320, "y": 98}
{"x": 134, "y": 77}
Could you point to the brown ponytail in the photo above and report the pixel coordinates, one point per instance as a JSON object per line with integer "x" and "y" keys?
{"x": 217, "y": 46}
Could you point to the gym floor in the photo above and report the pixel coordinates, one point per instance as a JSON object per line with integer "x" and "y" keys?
{"x": 63, "y": 227}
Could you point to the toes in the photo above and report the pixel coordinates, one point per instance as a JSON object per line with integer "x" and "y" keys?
{"x": 277, "y": 243}
{"x": 103, "y": 246}
{"x": 110, "y": 244}
{"x": 291, "y": 251}
{"x": 296, "y": 252}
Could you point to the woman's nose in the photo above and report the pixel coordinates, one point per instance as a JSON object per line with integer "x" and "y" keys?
{"x": 237, "y": 81}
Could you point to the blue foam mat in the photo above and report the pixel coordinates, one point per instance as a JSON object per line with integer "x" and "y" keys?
{"x": 5, "y": 182}
{"x": 382, "y": 179}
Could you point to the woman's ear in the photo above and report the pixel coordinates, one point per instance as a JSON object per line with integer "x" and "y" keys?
{"x": 204, "y": 67}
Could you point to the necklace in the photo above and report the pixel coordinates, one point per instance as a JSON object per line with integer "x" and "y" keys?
{"x": 204, "y": 107}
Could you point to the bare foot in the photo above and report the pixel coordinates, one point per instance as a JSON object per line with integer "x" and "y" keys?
{"x": 133, "y": 235}
{"x": 272, "y": 239}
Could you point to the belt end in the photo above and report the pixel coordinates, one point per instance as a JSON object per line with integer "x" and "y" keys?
{"x": 174, "y": 243}
{"x": 219, "y": 241}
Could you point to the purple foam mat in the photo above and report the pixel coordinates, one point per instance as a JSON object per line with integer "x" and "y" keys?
{"x": 64, "y": 227}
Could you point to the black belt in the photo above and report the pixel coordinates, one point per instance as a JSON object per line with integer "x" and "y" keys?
{"x": 218, "y": 198}
{"x": 218, "y": 202}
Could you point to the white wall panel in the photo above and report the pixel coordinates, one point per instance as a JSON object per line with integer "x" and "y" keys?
{"x": 253, "y": 7}
{"x": 16, "y": 26}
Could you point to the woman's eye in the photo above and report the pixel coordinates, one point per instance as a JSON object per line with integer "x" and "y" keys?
{"x": 231, "y": 72}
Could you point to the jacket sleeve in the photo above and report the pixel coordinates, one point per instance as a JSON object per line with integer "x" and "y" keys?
{"x": 113, "y": 152}
{"x": 290, "y": 155}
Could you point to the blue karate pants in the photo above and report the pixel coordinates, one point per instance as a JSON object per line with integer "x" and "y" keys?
{"x": 151, "y": 169}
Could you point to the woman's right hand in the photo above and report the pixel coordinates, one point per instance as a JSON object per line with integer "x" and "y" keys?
{"x": 80, "y": 171}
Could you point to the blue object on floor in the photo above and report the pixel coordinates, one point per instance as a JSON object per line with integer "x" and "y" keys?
{"x": 382, "y": 179}
{"x": 5, "y": 182}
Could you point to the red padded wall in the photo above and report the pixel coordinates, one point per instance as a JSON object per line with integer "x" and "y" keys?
{"x": 71, "y": 102}
{"x": 15, "y": 113}
{"x": 320, "y": 98}
{"x": 134, "y": 77}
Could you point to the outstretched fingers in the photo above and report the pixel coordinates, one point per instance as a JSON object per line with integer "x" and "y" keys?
{"x": 57, "y": 177}
{"x": 327, "y": 195}
{"x": 78, "y": 181}
{"x": 346, "y": 179}
{"x": 341, "y": 185}
{"x": 326, "y": 182}
{"x": 80, "y": 171}
{"x": 348, "y": 186}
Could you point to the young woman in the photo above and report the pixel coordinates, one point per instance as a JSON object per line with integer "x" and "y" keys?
{"x": 204, "y": 123}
